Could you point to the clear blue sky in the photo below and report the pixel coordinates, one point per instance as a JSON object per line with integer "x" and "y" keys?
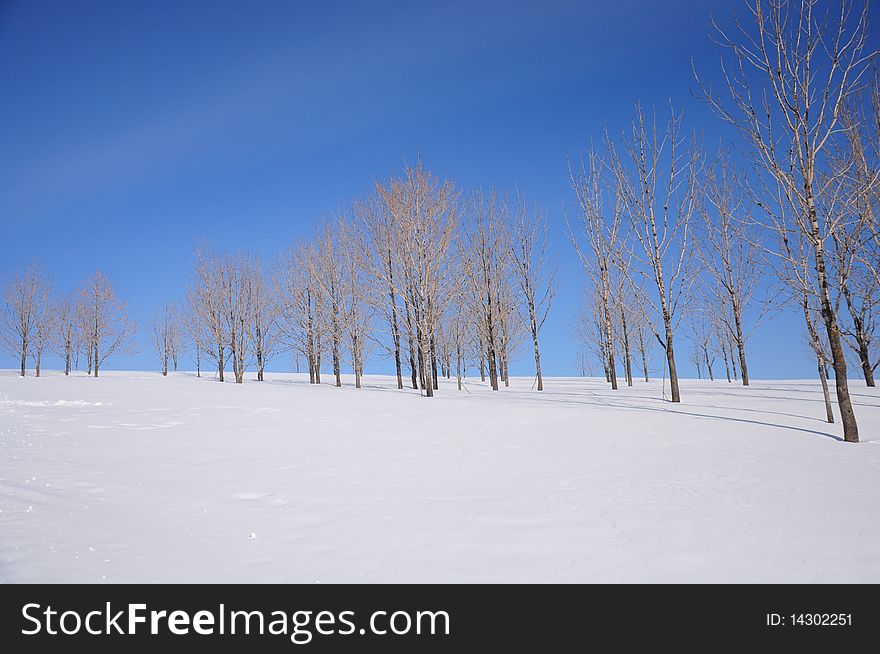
{"x": 129, "y": 130}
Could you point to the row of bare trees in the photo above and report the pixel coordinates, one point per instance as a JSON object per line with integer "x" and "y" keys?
{"x": 665, "y": 232}
{"x": 90, "y": 323}
{"x": 416, "y": 271}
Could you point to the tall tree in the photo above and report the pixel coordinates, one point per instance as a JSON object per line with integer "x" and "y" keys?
{"x": 727, "y": 245}
{"x": 600, "y": 226}
{"x": 793, "y": 70}
{"x": 656, "y": 175}
{"x": 535, "y": 272}
{"x": 424, "y": 207}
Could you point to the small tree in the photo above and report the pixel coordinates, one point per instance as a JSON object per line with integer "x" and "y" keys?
{"x": 108, "y": 329}
{"x": 26, "y": 298}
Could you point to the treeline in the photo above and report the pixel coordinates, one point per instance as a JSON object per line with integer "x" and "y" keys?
{"x": 669, "y": 236}
{"x": 671, "y": 240}
{"x": 435, "y": 279}
{"x": 85, "y": 326}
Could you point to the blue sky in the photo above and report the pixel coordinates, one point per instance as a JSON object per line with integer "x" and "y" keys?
{"x": 130, "y": 130}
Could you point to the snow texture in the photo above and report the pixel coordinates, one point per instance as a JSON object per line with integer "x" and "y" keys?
{"x": 137, "y": 478}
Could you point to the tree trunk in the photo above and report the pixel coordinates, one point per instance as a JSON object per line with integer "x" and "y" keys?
{"x": 862, "y": 341}
{"x": 670, "y": 360}
{"x": 259, "y": 354}
{"x": 823, "y": 374}
{"x": 434, "y": 365}
{"x": 97, "y": 360}
{"x": 726, "y": 359}
{"x": 740, "y": 342}
{"x": 612, "y": 365}
{"x": 413, "y": 370}
{"x": 337, "y": 372}
{"x": 23, "y": 358}
{"x": 627, "y": 357}
{"x": 356, "y": 356}
{"x": 644, "y": 354}
{"x": 534, "y": 326}
{"x": 395, "y": 329}
{"x": 865, "y": 359}
{"x": 838, "y": 360}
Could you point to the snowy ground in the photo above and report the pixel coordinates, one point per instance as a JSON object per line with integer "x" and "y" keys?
{"x": 132, "y": 477}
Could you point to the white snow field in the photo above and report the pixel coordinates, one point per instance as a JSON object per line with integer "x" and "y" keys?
{"x": 137, "y": 478}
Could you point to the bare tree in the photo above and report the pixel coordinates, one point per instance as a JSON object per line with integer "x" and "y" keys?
{"x": 381, "y": 228}
{"x": 535, "y": 272}
{"x": 265, "y": 310}
{"x": 238, "y": 273}
{"x": 656, "y": 178}
{"x": 108, "y": 327}
{"x": 329, "y": 274}
{"x": 853, "y": 201}
{"x": 356, "y": 292}
{"x": 424, "y": 208}
{"x": 66, "y": 338}
{"x": 44, "y": 326}
{"x": 25, "y": 299}
{"x": 205, "y": 300}
{"x": 703, "y": 341}
{"x": 166, "y": 334}
{"x": 484, "y": 242}
{"x": 643, "y": 341}
{"x": 809, "y": 66}
{"x": 600, "y": 227}
{"x": 302, "y": 305}
{"x": 727, "y": 245}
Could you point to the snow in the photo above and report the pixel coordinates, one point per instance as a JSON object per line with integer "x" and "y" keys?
{"x": 137, "y": 478}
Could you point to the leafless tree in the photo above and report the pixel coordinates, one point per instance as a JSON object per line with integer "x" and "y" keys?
{"x": 703, "y": 341}
{"x": 302, "y": 305}
{"x": 424, "y": 208}
{"x": 382, "y": 230}
{"x": 727, "y": 245}
{"x": 656, "y": 175}
{"x": 853, "y": 183}
{"x": 66, "y": 338}
{"x": 484, "y": 243}
{"x": 44, "y": 327}
{"x": 265, "y": 311}
{"x": 238, "y": 273}
{"x": 329, "y": 274}
{"x": 643, "y": 341}
{"x": 108, "y": 329}
{"x": 205, "y": 300}
{"x": 535, "y": 272}
{"x": 599, "y": 225}
{"x": 356, "y": 293}
{"x": 589, "y": 330}
{"x": 791, "y": 73}
{"x": 25, "y": 299}
{"x": 166, "y": 332}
